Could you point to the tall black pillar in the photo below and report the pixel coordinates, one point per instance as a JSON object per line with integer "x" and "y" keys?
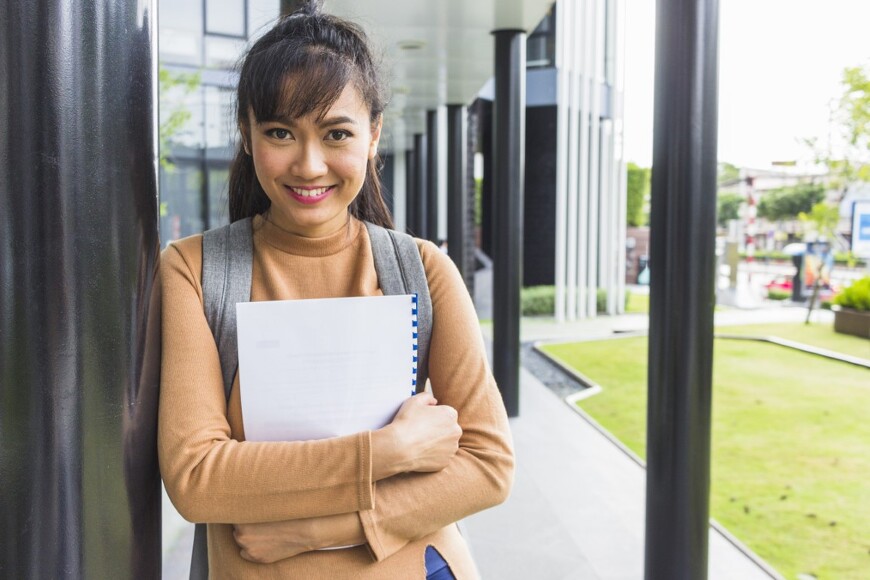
{"x": 509, "y": 127}
{"x": 457, "y": 187}
{"x": 682, "y": 290}
{"x": 410, "y": 190}
{"x": 485, "y": 132}
{"x": 432, "y": 138}
{"x": 79, "y": 340}
{"x": 421, "y": 181}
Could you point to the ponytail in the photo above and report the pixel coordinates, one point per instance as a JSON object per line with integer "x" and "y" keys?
{"x": 246, "y": 195}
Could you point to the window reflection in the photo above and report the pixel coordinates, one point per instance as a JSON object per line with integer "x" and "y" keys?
{"x": 226, "y": 17}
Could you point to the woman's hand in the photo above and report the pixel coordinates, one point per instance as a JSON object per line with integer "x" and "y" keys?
{"x": 423, "y": 436}
{"x": 270, "y": 542}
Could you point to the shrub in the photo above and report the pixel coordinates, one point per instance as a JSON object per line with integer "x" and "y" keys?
{"x": 774, "y": 294}
{"x": 538, "y": 300}
{"x": 856, "y": 296}
{"x": 541, "y": 300}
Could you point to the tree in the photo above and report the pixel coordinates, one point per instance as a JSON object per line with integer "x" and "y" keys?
{"x": 174, "y": 115}
{"x": 787, "y": 203}
{"x": 822, "y": 219}
{"x": 851, "y": 119}
{"x": 728, "y": 207}
{"x": 637, "y": 192}
{"x": 727, "y": 172}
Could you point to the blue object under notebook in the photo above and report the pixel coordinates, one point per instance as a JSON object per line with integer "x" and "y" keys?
{"x": 436, "y": 567}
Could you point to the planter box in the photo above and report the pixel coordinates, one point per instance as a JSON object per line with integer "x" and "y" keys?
{"x": 848, "y": 321}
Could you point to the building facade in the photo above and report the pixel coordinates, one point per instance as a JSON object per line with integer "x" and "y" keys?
{"x": 574, "y": 203}
{"x": 199, "y": 44}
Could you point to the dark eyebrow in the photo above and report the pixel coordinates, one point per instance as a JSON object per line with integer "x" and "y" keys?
{"x": 336, "y": 121}
{"x": 328, "y": 122}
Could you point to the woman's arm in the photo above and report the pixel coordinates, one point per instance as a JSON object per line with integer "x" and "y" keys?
{"x": 420, "y": 425}
{"x": 213, "y": 478}
{"x": 412, "y": 505}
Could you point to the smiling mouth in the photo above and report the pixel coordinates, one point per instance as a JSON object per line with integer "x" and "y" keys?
{"x": 309, "y": 194}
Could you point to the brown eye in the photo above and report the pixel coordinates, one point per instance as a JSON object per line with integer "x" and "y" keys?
{"x": 280, "y": 134}
{"x": 338, "y": 135}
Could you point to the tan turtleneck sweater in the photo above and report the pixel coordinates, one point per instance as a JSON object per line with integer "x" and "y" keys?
{"x": 214, "y": 476}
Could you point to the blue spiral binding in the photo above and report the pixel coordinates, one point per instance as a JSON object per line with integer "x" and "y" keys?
{"x": 414, "y": 342}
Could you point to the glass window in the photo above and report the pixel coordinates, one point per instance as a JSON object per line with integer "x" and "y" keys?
{"x": 541, "y": 43}
{"x": 181, "y": 211}
{"x": 226, "y": 17}
{"x": 181, "y": 118}
{"x": 261, "y": 16}
{"x": 218, "y": 202}
{"x": 180, "y": 32}
{"x": 220, "y": 123}
{"x": 222, "y": 52}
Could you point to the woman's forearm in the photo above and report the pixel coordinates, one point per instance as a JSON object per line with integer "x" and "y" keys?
{"x": 270, "y": 542}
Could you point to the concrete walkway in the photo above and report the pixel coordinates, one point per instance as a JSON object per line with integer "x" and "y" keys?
{"x": 577, "y": 507}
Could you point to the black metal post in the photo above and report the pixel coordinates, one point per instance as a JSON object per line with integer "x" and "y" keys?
{"x": 509, "y": 127}
{"x": 457, "y": 187}
{"x": 682, "y": 290}
{"x": 421, "y": 203}
{"x": 432, "y": 138}
{"x": 79, "y": 317}
{"x": 411, "y": 199}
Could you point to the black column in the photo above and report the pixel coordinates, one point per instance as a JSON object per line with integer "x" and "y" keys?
{"x": 386, "y": 168}
{"x": 79, "y": 340}
{"x": 682, "y": 290}
{"x": 457, "y": 184}
{"x": 484, "y": 119}
{"x": 421, "y": 192}
{"x": 432, "y": 175}
{"x": 508, "y": 120}
{"x": 410, "y": 190}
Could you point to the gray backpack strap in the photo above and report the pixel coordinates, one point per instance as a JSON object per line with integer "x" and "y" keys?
{"x": 199, "y": 557}
{"x": 400, "y": 271}
{"x": 227, "y": 263}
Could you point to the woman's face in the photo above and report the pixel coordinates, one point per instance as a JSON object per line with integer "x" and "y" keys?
{"x": 313, "y": 169}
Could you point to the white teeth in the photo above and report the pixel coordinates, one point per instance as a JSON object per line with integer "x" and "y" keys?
{"x": 309, "y": 192}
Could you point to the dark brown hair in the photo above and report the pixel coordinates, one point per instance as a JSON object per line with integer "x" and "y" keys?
{"x": 326, "y": 53}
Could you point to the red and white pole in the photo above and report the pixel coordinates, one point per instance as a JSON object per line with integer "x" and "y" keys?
{"x": 751, "y": 230}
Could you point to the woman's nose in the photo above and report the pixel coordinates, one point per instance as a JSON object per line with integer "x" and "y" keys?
{"x": 310, "y": 161}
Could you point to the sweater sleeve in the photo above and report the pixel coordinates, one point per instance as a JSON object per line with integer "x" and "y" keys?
{"x": 211, "y": 477}
{"x": 412, "y": 505}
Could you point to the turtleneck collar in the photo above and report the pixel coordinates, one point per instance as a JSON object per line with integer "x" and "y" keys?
{"x": 290, "y": 243}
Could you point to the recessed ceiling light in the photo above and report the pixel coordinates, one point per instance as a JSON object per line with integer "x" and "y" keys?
{"x": 411, "y": 44}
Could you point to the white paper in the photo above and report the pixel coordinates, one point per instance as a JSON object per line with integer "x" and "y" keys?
{"x": 313, "y": 369}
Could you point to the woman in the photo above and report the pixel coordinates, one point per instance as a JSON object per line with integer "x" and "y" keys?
{"x": 310, "y": 105}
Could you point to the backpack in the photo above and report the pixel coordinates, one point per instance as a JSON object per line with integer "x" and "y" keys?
{"x": 227, "y": 263}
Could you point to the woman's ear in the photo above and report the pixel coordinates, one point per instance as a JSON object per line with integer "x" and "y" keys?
{"x": 376, "y": 136}
{"x": 246, "y": 139}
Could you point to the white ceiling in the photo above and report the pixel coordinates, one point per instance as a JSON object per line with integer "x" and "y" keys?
{"x": 454, "y": 58}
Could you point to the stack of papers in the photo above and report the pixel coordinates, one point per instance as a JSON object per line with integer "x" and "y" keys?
{"x": 313, "y": 369}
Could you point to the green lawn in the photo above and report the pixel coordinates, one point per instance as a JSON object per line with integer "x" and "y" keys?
{"x": 815, "y": 334}
{"x": 791, "y": 444}
{"x": 637, "y": 303}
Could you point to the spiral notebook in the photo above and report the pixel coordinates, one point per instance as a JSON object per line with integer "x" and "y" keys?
{"x": 313, "y": 369}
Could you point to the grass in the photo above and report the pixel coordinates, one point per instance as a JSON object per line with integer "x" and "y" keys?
{"x": 791, "y": 443}
{"x": 637, "y": 303}
{"x": 814, "y": 334}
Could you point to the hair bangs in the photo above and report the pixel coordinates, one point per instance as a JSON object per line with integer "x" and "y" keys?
{"x": 300, "y": 83}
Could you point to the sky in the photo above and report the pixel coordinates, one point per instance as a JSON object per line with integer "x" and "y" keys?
{"x": 780, "y": 65}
